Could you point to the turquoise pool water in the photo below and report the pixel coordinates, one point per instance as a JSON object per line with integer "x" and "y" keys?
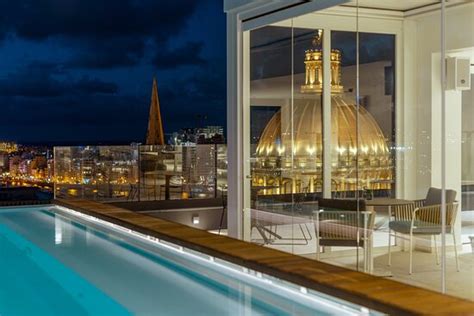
{"x": 53, "y": 262}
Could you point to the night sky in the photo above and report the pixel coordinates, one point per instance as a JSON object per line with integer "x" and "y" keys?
{"x": 80, "y": 71}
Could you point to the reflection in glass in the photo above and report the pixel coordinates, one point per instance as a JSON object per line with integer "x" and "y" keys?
{"x": 293, "y": 144}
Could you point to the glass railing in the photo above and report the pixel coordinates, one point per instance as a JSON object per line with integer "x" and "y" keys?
{"x": 140, "y": 173}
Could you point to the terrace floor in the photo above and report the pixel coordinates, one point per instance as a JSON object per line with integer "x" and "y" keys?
{"x": 426, "y": 273}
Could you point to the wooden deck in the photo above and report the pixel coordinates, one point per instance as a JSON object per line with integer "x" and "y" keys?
{"x": 372, "y": 292}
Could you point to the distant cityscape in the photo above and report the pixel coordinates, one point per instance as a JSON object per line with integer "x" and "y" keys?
{"x": 25, "y": 165}
{"x": 31, "y": 167}
{"x": 184, "y": 164}
{"x": 204, "y": 135}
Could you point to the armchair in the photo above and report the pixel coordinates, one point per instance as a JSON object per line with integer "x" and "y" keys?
{"x": 419, "y": 218}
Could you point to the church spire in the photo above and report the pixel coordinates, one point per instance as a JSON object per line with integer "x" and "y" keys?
{"x": 155, "y": 134}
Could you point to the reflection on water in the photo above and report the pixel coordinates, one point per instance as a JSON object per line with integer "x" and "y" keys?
{"x": 62, "y": 230}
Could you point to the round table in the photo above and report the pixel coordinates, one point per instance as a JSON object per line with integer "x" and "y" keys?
{"x": 387, "y": 202}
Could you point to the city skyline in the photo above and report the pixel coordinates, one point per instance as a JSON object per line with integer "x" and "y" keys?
{"x": 80, "y": 79}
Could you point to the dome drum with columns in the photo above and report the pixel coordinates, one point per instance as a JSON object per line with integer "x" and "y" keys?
{"x": 289, "y": 152}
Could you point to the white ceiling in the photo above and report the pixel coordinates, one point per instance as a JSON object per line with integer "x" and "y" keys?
{"x": 398, "y": 5}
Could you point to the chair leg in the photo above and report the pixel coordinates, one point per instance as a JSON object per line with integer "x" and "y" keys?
{"x": 371, "y": 255}
{"x": 456, "y": 252}
{"x": 411, "y": 254}
{"x": 366, "y": 259}
{"x": 436, "y": 249}
{"x": 318, "y": 250}
{"x": 389, "y": 248}
{"x": 316, "y": 233}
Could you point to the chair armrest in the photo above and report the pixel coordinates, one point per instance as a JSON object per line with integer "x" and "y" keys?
{"x": 428, "y": 214}
{"x": 432, "y": 213}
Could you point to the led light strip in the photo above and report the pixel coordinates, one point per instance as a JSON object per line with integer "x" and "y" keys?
{"x": 259, "y": 279}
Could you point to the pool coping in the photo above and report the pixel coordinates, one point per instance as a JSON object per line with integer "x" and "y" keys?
{"x": 373, "y": 292}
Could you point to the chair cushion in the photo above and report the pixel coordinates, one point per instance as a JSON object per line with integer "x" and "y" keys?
{"x": 433, "y": 197}
{"x": 419, "y": 227}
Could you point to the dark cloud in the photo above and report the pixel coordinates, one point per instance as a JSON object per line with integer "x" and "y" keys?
{"x": 187, "y": 54}
{"x": 39, "y": 19}
{"x": 93, "y": 65}
{"x": 93, "y": 85}
{"x": 202, "y": 93}
{"x": 66, "y": 118}
{"x": 38, "y": 80}
{"x": 112, "y": 53}
{"x": 113, "y": 117}
{"x": 110, "y": 33}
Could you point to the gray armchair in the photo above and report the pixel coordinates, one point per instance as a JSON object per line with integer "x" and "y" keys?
{"x": 423, "y": 217}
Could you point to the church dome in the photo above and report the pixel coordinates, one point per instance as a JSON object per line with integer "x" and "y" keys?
{"x": 293, "y": 138}
{"x": 300, "y": 134}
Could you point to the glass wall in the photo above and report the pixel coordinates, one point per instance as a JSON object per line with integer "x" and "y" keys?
{"x": 346, "y": 160}
{"x": 459, "y": 118}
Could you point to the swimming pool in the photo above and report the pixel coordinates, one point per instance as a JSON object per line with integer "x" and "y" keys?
{"x": 55, "y": 261}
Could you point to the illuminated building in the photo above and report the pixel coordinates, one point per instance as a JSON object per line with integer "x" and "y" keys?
{"x": 290, "y": 151}
{"x": 210, "y": 131}
{"x": 202, "y": 135}
{"x": 8, "y": 147}
{"x": 3, "y": 161}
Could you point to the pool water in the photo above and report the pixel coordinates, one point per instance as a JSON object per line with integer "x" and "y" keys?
{"x": 53, "y": 262}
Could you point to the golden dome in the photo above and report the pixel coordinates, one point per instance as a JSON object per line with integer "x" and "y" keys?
{"x": 277, "y": 138}
{"x": 366, "y": 158}
{"x": 293, "y": 138}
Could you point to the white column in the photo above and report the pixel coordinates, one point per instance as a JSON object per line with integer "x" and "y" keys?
{"x": 234, "y": 126}
{"x": 247, "y": 177}
{"x": 327, "y": 131}
{"x": 406, "y": 112}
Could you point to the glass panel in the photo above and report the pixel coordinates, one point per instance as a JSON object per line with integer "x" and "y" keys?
{"x": 96, "y": 172}
{"x": 377, "y": 138}
{"x": 141, "y": 173}
{"x": 307, "y": 112}
{"x": 270, "y": 151}
{"x": 285, "y": 132}
{"x": 372, "y": 73}
{"x": 307, "y": 131}
{"x": 290, "y": 146}
{"x": 400, "y": 92}
{"x": 344, "y": 116}
{"x": 459, "y": 117}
